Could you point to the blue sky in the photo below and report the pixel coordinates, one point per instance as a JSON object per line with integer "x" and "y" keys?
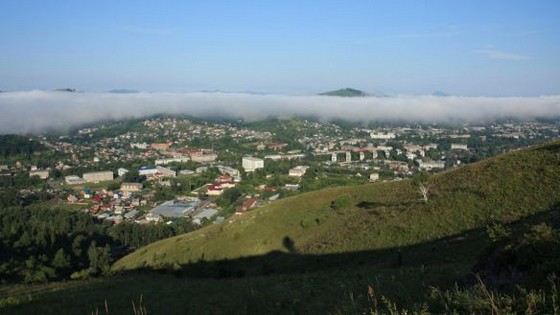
{"x": 493, "y": 48}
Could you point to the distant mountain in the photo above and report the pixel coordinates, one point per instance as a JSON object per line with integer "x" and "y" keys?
{"x": 347, "y": 92}
{"x": 123, "y": 91}
{"x": 439, "y": 93}
{"x": 69, "y": 90}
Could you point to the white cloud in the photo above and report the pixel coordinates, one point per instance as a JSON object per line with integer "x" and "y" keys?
{"x": 35, "y": 111}
{"x": 501, "y": 55}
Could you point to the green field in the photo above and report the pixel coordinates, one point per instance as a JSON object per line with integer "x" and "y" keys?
{"x": 305, "y": 255}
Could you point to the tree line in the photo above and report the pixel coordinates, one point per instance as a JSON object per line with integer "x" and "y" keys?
{"x": 40, "y": 244}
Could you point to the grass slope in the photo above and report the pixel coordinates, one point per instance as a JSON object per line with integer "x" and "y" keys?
{"x": 377, "y": 216}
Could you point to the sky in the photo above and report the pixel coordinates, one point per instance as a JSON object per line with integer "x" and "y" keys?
{"x": 467, "y": 48}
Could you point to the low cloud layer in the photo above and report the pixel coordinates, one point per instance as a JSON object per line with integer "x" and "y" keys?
{"x": 36, "y": 111}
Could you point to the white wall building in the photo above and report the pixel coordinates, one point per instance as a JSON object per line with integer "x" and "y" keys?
{"x": 459, "y": 146}
{"x": 122, "y": 171}
{"x": 431, "y": 165}
{"x": 250, "y": 164}
{"x": 43, "y": 174}
{"x": 382, "y": 136}
{"x": 298, "y": 171}
{"x": 96, "y": 177}
{"x": 73, "y": 180}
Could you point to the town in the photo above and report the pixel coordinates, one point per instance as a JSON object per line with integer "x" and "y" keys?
{"x": 163, "y": 168}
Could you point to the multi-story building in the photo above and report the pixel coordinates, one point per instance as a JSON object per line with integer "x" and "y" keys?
{"x": 250, "y": 164}
{"x": 96, "y": 177}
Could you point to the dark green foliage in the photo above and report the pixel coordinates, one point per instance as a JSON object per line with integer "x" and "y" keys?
{"x": 341, "y": 202}
{"x": 18, "y": 145}
{"x": 136, "y": 235}
{"x": 46, "y": 244}
{"x": 529, "y": 255}
{"x": 229, "y": 197}
{"x": 41, "y": 244}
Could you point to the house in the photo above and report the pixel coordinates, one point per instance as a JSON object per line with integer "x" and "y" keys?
{"x": 204, "y": 158}
{"x": 96, "y": 177}
{"x": 228, "y": 170}
{"x": 459, "y": 146}
{"x": 164, "y": 146}
{"x": 250, "y": 164}
{"x": 186, "y": 172}
{"x": 431, "y": 165}
{"x": 152, "y": 217}
{"x": 73, "y": 180}
{"x": 142, "y": 146}
{"x": 131, "y": 214}
{"x": 206, "y": 213}
{"x": 277, "y": 146}
{"x": 72, "y": 199}
{"x": 131, "y": 187}
{"x": 214, "y": 190}
{"x": 42, "y": 174}
{"x": 382, "y": 136}
{"x": 246, "y": 205}
{"x": 298, "y": 171}
{"x": 156, "y": 171}
{"x": 176, "y": 208}
{"x": 292, "y": 187}
{"x": 122, "y": 171}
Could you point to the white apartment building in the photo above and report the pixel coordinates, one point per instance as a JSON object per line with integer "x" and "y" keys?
{"x": 250, "y": 164}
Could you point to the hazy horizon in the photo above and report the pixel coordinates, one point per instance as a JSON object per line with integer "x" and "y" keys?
{"x": 37, "y": 111}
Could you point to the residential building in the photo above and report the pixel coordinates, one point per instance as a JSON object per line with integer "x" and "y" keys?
{"x": 43, "y": 174}
{"x": 122, "y": 171}
{"x": 161, "y": 146}
{"x": 459, "y": 146}
{"x": 131, "y": 187}
{"x": 96, "y": 177}
{"x": 431, "y": 165}
{"x": 298, "y": 171}
{"x": 250, "y": 164}
{"x": 73, "y": 180}
{"x": 246, "y": 205}
{"x": 382, "y": 136}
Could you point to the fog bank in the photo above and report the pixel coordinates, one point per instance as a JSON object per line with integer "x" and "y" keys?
{"x": 36, "y": 111}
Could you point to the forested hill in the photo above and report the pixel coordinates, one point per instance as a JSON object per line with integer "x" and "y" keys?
{"x": 15, "y": 144}
{"x": 347, "y": 92}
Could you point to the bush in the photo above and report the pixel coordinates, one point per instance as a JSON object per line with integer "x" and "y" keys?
{"x": 341, "y": 202}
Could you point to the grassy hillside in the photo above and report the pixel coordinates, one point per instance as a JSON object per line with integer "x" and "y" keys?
{"x": 299, "y": 255}
{"x": 373, "y": 216}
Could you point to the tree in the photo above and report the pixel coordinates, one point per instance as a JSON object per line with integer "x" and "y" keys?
{"x": 99, "y": 259}
{"x": 60, "y": 260}
{"x": 229, "y": 197}
{"x": 420, "y": 180}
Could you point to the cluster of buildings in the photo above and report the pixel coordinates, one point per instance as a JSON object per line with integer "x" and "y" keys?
{"x": 164, "y": 150}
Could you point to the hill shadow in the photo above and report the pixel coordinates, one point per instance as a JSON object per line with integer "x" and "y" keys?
{"x": 459, "y": 248}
